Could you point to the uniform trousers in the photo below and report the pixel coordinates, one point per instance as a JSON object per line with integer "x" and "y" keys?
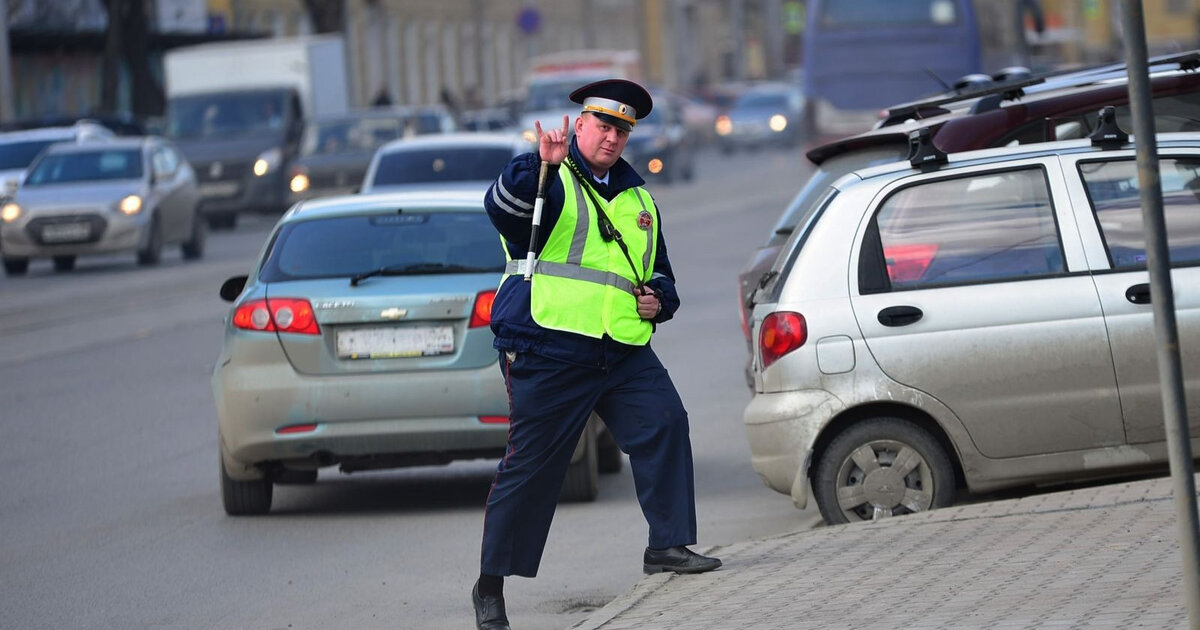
{"x": 550, "y": 403}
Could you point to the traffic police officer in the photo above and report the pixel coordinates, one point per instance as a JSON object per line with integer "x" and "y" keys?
{"x": 576, "y": 338}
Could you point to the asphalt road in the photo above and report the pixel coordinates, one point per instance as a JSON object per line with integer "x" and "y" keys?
{"x": 109, "y": 502}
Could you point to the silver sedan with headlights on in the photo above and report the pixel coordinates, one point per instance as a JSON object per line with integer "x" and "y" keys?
{"x": 135, "y": 194}
{"x": 361, "y": 340}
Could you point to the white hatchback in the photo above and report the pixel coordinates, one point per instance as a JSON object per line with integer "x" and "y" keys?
{"x": 983, "y": 323}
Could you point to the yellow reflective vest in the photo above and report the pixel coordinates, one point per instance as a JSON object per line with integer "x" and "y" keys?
{"x": 584, "y": 284}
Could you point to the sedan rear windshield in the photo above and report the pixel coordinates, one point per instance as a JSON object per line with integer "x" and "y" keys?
{"x": 18, "y": 155}
{"x": 441, "y": 165}
{"x": 408, "y": 243}
{"x": 90, "y": 166}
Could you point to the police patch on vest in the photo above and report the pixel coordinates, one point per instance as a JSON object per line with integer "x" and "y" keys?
{"x": 645, "y": 220}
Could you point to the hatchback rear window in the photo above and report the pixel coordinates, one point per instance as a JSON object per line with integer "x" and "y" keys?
{"x": 441, "y": 165}
{"x": 405, "y": 243}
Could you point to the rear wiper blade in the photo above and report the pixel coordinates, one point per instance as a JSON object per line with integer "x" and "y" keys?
{"x": 417, "y": 269}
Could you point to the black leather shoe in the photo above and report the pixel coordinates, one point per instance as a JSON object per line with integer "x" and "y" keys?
{"x": 677, "y": 559}
{"x": 489, "y": 611}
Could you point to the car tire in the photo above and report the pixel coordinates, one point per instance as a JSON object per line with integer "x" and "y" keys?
{"x": 15, "y": 266}
{"x": 151, "y": 253}
{"x": 245, "y": 498}
{"x": 583, "y": 477}
{"x": 845, "y": 493}
{"x": 610, "y": 458}
{"x": 64, "y": 263}
{"x": 193, "y": 248}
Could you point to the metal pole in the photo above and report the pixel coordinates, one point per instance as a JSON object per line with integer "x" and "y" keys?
{"x": 1163, "y": 299}
{"x": 7, "y": 111}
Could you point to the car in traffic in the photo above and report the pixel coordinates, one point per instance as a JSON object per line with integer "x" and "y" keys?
{"x": 1013, "y": 108}
{"x": 130, "y": 194}
{"x": 361, "y": 339}
{"x": 18, "y": 148}
{"x": 461, "y": 160}
{"x": 767, "y": 114}
{"x": 660, "y": 147}
{"x": 981, "y": 320}
{"x": 335, "y": 151}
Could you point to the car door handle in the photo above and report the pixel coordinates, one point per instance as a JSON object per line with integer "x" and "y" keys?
{"x": 900, "y": 315}
{"x": 1138, "y": 293}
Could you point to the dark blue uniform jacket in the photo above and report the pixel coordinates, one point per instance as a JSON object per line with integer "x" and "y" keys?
{"x": 512, "y": 322}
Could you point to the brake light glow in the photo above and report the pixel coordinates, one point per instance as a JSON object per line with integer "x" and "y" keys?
{"x": 288, "y": 315}
{"x": 781, "y": 332}
{"x": 494, "y": 419}
{"x": 481, "y": 313}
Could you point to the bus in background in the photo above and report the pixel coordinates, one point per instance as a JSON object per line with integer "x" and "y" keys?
{"x": 862, "y": 55}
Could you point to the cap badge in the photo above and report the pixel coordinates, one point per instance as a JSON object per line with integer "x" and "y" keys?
{"x": 645, "y": 220}
{"x": 624, "y": 109}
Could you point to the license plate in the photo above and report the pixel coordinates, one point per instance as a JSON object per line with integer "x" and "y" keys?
{"x": 218, "y": 189}
{"x": 395, "y": 342}
{"x": 66, "y": 232}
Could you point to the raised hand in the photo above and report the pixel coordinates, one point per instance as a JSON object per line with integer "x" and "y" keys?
{"x": 552, "y": 145}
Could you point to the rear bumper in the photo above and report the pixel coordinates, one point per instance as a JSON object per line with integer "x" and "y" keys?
{"x": 363, "y": 420}
{"x": 781, "y": 429}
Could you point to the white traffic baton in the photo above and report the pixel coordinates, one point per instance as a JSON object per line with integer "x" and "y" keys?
{"x": 531, "y": 256}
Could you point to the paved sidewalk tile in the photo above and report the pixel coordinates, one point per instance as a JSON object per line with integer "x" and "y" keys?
{"x": 1101, "y": 557}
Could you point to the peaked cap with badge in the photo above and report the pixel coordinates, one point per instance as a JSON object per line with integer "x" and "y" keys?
{"x": 616, "y": 101}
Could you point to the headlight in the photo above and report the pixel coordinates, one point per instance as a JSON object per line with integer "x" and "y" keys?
{"x": 267, "y": 161}
{"x": 131, "y": 205}
{"x": 655, "y": 166}
{"x": 778, "y": 123}
{"x": 10, "y": 212}
{"x": 299, "y": 183}
{"x": 724, "y": 126}
{"x": 529, "y": 136}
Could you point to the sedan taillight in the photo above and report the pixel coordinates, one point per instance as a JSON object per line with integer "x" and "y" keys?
{"x": 481, "y": 312}
{"x": 289, "y": 315}
{"x": 780, "y": 333}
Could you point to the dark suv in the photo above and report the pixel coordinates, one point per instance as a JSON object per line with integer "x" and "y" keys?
{"x": 1010, "y": 109}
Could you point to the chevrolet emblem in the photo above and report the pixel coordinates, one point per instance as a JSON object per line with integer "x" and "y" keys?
{"x": 393, "y": 313}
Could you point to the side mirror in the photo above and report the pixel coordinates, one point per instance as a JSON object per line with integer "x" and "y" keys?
{"x": 232, "y": 288}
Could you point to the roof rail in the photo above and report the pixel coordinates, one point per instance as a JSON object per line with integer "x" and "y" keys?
{"x": 1108, "y": 134}
{"x": 922, "y": 152}
{"x": 1005, "y": 88}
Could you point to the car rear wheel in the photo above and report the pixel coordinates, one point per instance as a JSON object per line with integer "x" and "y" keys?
{"x": 583, "y": 477}
{"x": 16, "y": 266}
{"x": 245, "y": 498}
{"x": 151, "y": 252}
{"x": 193, "y": 248}
{"x": 882, "y": 467}
{"x": 64, "y": 263}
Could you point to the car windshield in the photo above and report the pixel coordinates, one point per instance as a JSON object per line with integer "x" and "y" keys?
{"x": 556, "y": 94}
{"x": 349, "y": 135}
{"x": 425, "y": 166}
{"x": 411, "y": 242}
{"x": 17, "y": 155}
{"x": 88, "y": 166}
{"x": 225, "y": 114}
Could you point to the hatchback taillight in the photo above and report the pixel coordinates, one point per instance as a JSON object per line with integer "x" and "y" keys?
{"x": 481, "y": 312}
{"x": 780, "y": 333}
{"x": 289, "y": 315}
